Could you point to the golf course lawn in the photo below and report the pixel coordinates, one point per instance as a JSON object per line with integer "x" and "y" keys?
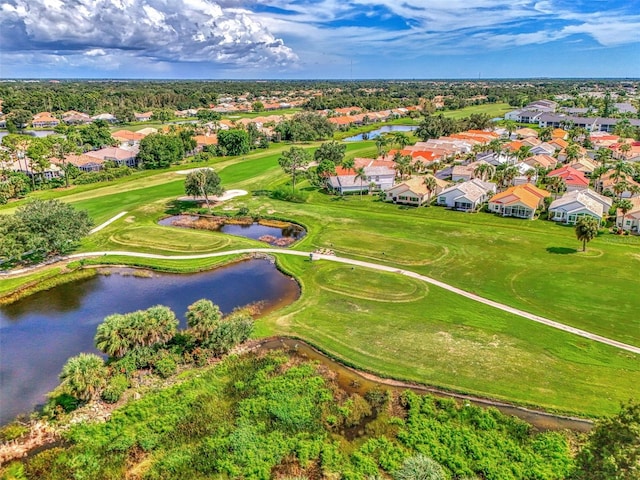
{"x": 402, "y": 328}
{"x": 399, "y": 327}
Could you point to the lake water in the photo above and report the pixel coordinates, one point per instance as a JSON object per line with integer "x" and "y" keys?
{"x": 379, "y": 131}
{"x": 40, "y": 332}
{"x": 278, "y": 236}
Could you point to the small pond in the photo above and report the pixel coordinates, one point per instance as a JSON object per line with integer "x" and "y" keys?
{"x": 40, "y": 332}
{"x": 379, "y": 131}
{"x": 273, "y": 232}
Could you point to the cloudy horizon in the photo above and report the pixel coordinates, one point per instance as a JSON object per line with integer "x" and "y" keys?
{"x": 315, "y": 39}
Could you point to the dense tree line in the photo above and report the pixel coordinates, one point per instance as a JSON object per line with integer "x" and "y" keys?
{"x": 120, "y": 97}
{"x": 41, "y": 229}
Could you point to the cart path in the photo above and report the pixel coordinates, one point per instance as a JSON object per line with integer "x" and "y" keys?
{"x": 108, "y": 222}
{"x": 384, "y": 268}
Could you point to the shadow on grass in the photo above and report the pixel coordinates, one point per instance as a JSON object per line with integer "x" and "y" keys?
{"x": 561, "y": 250}
{"x": 177, "y": 206}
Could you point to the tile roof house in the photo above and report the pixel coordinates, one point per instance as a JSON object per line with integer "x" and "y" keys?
{"x": 465, "y": 173}
{"x": 466, "y": 196}
{"x": 346, "y": 182}
{"x": 584, "y": 165}
{"x": 630, "y": 221}
{"x": 86, "y": 163}
{"x": 107, "y": 117}
{"x": 541, "y": 160}
{"x": 120, "y": 156}
{"x": 520, "y": 201}
{"x": 606, "y": 183}
{"x": 578, "y": 203}
{"x": 127, "y": 137}
{"x": 574, "y": 179}
{"x": 413, "y": 191}
{"x": 143, "y": 117}
{"x": 44, "y": 120}
{"x": 75, "y": 118}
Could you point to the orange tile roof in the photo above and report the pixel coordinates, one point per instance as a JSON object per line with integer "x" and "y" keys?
{"x": 206, "y": 139}
{"x": 127, "y": 135}
{"x": 559, "y": 133}
{"x": 528, "y": 194}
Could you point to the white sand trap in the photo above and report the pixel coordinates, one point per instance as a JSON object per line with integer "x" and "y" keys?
{"x": 187, "y": 172}
{"x": 228, "y": 195}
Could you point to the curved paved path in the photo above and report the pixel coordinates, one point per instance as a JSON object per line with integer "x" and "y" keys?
{"x": 384, "y": 268}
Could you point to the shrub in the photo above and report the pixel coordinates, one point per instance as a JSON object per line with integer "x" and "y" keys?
{"x": 12, "y": 431}
{"x": 165, "y": 364}
{"x": 286, "y": 195}
{"x": 420, "y": 467}
{"x": 115, "y": 388}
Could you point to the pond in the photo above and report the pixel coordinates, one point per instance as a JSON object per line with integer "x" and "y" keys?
{"x": 273, "y": 232}
{"x": 379, "y": 131}
{"x": 40, "y": 332}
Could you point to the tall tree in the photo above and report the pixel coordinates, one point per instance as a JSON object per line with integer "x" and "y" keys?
{"x": 431, "y": 185}
{"x": 162, "y": 115}
{"x": 586, "y": 230}
{"x": 60, "y": 148}
{"x": 293, "y": 162}
{"x": 332, "y": 151}
{"x": 624, "y": 206}
{"x": 234, "y": 142}
{"x": 362, "y": 176}
{"x": 204, "y": 182}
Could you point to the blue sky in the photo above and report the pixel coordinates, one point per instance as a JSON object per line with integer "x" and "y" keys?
{"x": 247, "y": 39}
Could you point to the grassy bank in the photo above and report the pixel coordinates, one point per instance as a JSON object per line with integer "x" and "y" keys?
{"x": 15, "y": 289}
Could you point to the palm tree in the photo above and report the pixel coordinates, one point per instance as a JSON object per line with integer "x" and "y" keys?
{"x": 83, "y": 376}
{"x": 509, "y": 174}
{"x": 161, "y": 325}
{"x": 586, "y": 230}
{"x": 572, "y": 152}
{"x": 111, "y": 336}
{"x": 530, "y": 174}
{"x": 203, "y": 317}
{"x": 495, "y": 146}
{"x": 603, "y": 155}
{"x": 523, "y": 153}
{"x": 403, "y": 165}
{"x": 625, "y": 148}
{"x": 431, "y": 184}
{"x": 545, "y": 134}
{"x": 557, "y": 185}
{"x": 620, "y": 170}
{"x": 435, "y": 167}
{"x": 510, "y": 126}
{"x": 624, "y": 206}
{"x": 485, "y": 171}
{"x": 381, "y": 143}
{"x": 401, "y": 139}
{"x": 620, "y": 187}
{"x": 362, "y": 176}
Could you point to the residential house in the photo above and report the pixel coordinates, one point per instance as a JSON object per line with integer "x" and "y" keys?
{"x": 584, "y": 165}
{"x": 559, "y": 133}
{"x": 464, "y": 173}
{"x": 143, "y": 117}
{"x": 44, "y": 120}
{"x": 377, "y": 178}
{"x": 120, "y": 156}
{"x": 543, "y": 149}
{"x": 413, "y": 191}
{"x": 204, "y": 141}
{"x": 542, "y": 161}
{"x": 147, "y": 131}
{"x": 579, "y": 203}
{"x": 630, "y": 221}
{"x": 606, "y": 183}
{"x": 75, "y": 118}
{"x": 466, "y": 196}
{"x": 520, "y": 201}
{"x": 558, "y": 143}
{"x": 525, "y": 133}
{"x": 86, "y": 163}
{"x": 574, "y": 179}
{"x": 107, "y": 117}
{"x": 125, "y": 137}
{"x": 27, "y": 166}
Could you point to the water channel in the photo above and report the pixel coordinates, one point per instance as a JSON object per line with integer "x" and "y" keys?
{"x": 39, "y": 333}
{"x": 379, "y": 131}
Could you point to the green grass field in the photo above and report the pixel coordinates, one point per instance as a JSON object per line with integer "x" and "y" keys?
{"x": 396, "y": 327}
{"x": 494, "y": 110}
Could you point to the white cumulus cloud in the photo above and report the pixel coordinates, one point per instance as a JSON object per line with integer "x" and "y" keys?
{"x": 164, "y": 30}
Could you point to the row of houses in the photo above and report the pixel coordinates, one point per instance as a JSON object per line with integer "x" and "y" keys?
{"x": 549, "y": 119}
{"x": 354, "y": 116}
{"x": 48, "y": 120}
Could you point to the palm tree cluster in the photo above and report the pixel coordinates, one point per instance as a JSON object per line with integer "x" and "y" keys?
{"x": 119, "y": 334}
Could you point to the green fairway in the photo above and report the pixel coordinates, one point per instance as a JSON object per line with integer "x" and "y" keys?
{"x": 397, "y": 327}
{"x": 492, "y": 109}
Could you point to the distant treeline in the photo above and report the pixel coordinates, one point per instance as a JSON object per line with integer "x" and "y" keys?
{"x": 94, "y": 97}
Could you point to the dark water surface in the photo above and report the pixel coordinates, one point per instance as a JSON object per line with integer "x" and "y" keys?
{"x": 40, "y": 332}
{"x": 254, "y": 230}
